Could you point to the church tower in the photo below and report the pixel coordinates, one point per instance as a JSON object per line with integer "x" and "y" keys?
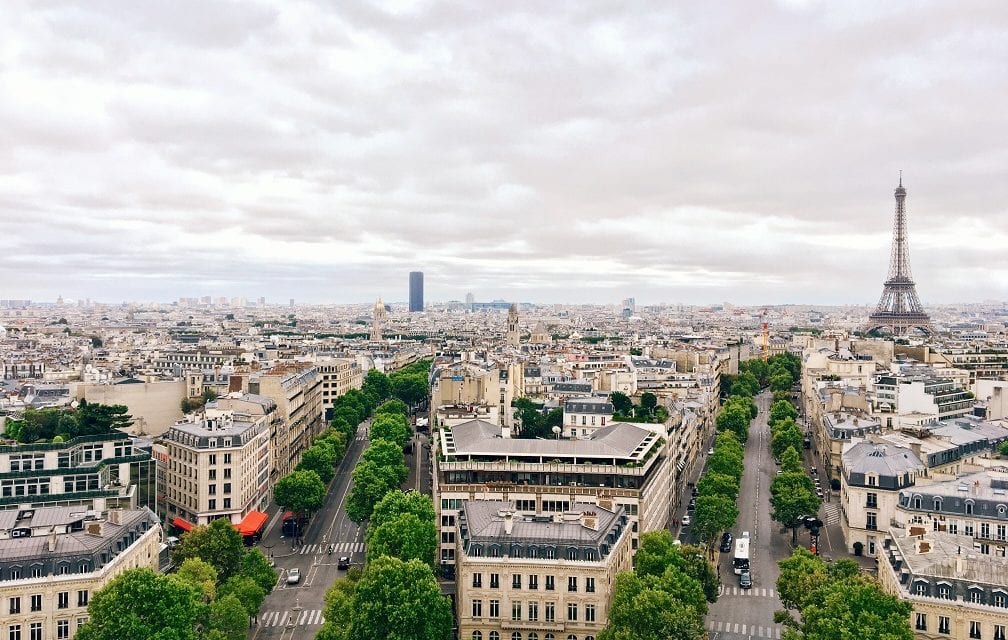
{"x": 512, "y": 326}
{"x": 377, "y": 321}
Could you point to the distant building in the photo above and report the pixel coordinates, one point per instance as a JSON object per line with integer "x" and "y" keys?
{"x": 416, "y": 291}
{"x": 53, "y": 560}
{"x": 542, "y": 573}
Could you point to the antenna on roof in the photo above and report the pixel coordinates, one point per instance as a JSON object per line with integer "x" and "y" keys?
{"x": 901, "y": 177}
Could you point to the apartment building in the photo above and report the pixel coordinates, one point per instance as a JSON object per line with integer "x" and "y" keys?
{"x": 582, "y": 416}
{"x": 956, "y": 592}
{"x": 619, "y": 465}
{"x": 917, "y": 395}
{"x": 870, "y": 483}
{"x": 296, "y": 388}
{"x": 528, "y": 575}
{"x": 52, "y": 559}
{"x": 102, "y": 471}
{"x": 219, "y": 464}
{"x": 338, "y": 375}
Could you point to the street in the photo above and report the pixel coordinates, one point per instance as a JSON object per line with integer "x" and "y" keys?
{"x": 292, "y": 610}
{"x": 748, "y": 613}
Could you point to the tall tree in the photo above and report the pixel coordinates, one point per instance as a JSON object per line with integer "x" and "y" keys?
{"x": 621, "y": 402}
{"x": 648, "y": 402}
{"x": 792, "y": 496}
{"x": 735, "y": 419}
{"x": 405, "y": 537}
{"x": 396, "y": 503}
{"x": 139, "y": 604}
{"x": 256, "y": 566}
{"x": 217, "y": 543}
{"x": 791, "y": 461}
{"x": 642, "y": 610}
{"x": 387, "y": 454}
{"x": 301, "y": 491}
{"x": 395, "y": 407}
{"x": 378, "y": 381}
{"x": 339, "y": 607}
{"x": 712, "y": 484}
{"x": 320, "y": 458}
{"x": 248, "y": 592}
{"x": 785, "y": 438}
{"x": 713, "y": 515}
{"x": 396, "y": 599}
{"x": 782, "y": 409}
{"x": 228, "y": 616}
{"x": 371, "y": 481}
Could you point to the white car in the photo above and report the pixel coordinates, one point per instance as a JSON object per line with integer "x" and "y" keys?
{"x": 686, "y": 520}
{"x": 294, "y": 576}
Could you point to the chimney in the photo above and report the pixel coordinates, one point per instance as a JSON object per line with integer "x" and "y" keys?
{"x": 589, "y": 520}
{"x": 94, "y": 528}
{"x": 113, "y": 516}
{"x": 508, "y": 522}
{"x": 53, "y": 539}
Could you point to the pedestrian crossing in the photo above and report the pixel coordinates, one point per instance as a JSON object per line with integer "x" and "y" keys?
{"x": 339, "y": 548}
{"x": 754, "y": 592}
{"x": 750, "y": 630}
{"x": 831, "y": 511}
{"x": 297, "y": 618}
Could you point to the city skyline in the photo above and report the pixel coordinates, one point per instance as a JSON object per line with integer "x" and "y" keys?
{"x": 579, "y": 155}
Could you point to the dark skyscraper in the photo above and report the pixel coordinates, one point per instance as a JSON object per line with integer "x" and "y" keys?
{"x": 416, "y": 291}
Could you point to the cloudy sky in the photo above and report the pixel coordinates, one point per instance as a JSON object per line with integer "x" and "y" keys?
{"x": 534, "y": 151}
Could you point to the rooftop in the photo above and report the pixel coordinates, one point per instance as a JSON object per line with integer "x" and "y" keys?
{"x": 938, "y": 554}
{"x": 619, "y": 440}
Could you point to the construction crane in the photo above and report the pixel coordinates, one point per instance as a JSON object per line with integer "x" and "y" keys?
{"x": 766, "y": 336}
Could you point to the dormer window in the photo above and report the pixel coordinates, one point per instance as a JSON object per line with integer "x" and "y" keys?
{"x": 917, "y": 502}
{"x": 969, "y": 507}
{"x": 937, "y": 504}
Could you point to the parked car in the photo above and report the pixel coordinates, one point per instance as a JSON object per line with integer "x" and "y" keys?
{"x": 693, "y": 492}
{"x": 344, "y": 562}
{"x": 710, "y": 451}
{"x": 819, "y": 492}
{"x": 726, "y": 542}
{"x": 815, "y": 471}
{"x": 692, "y": 505}
{"x": 686, "y": 520}
{"x": 294, "y": 576}
{"x": 745, "y": 580}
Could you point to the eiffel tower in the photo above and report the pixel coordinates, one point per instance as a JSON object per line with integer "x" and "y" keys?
{"x": 899, "y": 310}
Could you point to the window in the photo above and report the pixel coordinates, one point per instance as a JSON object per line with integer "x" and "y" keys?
{"x": 921, "y": 588}
{"x": 921, "y": 623}
{"x": 82, "y": 598}
{"x": 533, "y": 582}
{"x": 572, "y": 583}
{"x": 36, "y": 602}
{"x": 477, "y": 635}
{"x": 62, "y": 629}
{"x": 572, "y": 611}
{"x": 999, "y": 632}
{"x": 590, "y": 585}
{"x": 944, "y": 592}
{"x": 976, "y": 596}
{"x": 974, "y": 629}
{"x": 494, "y": 581}
{"x": 872, "y": 502}
{"x": 871, "y": 521}
{"x": 63, "y": 599}
{"x": 516, "y": 610}
{"x": 477, "y": 608}
{"x": 227, "y": 487}
{"x": 212, "y": 490}
{"x": 533, "y": 635}
{"x": 985, "y": 530}
{"x": 572, "y": 637}
{"x": 477, "y": 580}
{"x": 14, "y": 632}
{"x": 15, "y": 606}
{"x": 589, "y": 613}
{"x": 35, "y": 631}
{"x": 516, "y": 635}
{"x": 969, "y": 507}
{"x": 549, "y": 583}
{"x": 550, "y": 612}
{"x": 495, "y": 608}
{"x": 943, "y": 624}
{"x": 227, "y": 503}
{"x": 516, "y": 581}
{"x": 999, "y": 599}
{"x": 494, "y": 635}
{"x": 227, "y": 458}
{"x": 533, "y": 611}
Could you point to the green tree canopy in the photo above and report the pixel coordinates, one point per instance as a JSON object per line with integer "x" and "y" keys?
{"x": 247, "y": 591}
{"x": 642, "y": 610}
{"x": 217, "y": 543}
{"x": 791, "y": 461}
{"x": 257, "y": 567}
{"x": 621, "y": 402}
{"x": 396, "y": 503}
{"x": 717, "y": 484}
{"x": 725, "y": 463}
{"x": 301, "y": 491}
{"x": 229, "y": 617}
{"x": 782, "y": 409}
{"x": 713, "y": 515}
{"x": 785, "y": 438}
{"x": 648, "y": 402}
{"x": 320, "y": 458}
{"x": 411, "y": 389}
{"x": 792, "y": 495}
{"x": 395, "y": 407}
{"x": 396, "y": 599}
{"x": 378, "y": 382}
{"x": 198, "y": 575}
{"x": 392, "y": 427}
{"x": 734, "y": 419}
{"x": 387, "y": 454}
{"x": 139, "y": 604}
{"x": 406, "y": 537}
{"x": 371, "y": 481}
{"x": 339, "y": 607}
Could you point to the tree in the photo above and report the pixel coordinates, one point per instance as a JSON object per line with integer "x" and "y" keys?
{"x": 257, "y": 567}
{"x": 648, "y": 402}
{"x": 782, "y": 409}
{"x": 392, "y": 427}
{"x": 781, "y": 382}
{"x": 641, "y": 610}
{"x": 713, "y": 515}
{"x": 717, "y": 484}
{"x": 791, "y": 496}
{"x": 387, "y": 454}
{"x": 217, "y": 544}
{"x": 229, "y": 617}
{"x": 735, "y": 419}
{"x": 726, "y": 463}
{"x": 371, "y": 481}
{"x": 801, "y": 576}
{"x": 656, "y": 552}
{"x": 393, "y": 596}
{"x": 139, "y": 604}
{"x": 1003, "y": 449}
{"x": 301, "y": 491}
{"x": 745, "y": 384}
{"x": 784, "y": 439}
{"x": 791, "y": 461}
{"x": 411, "y": 389}
{"x": 247, "y": 591}
{"x": 396, "y": 503}
{"x": 395, "y": 407}
{"x": 378, "y": 381}
{"x": 695, "y": 564}
{"x": 621, "y": 402}
{"x": 200, "y": 575}
{"x": 406, "y": 537}
{"x": 726, "y": 442}
{"x": 339, "y": 607}
{"x": 320, "y": 458}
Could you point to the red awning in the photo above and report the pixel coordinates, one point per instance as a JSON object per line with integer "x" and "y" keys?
{"x": 252, "y": 523}
{"x": 184, "y": 525}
